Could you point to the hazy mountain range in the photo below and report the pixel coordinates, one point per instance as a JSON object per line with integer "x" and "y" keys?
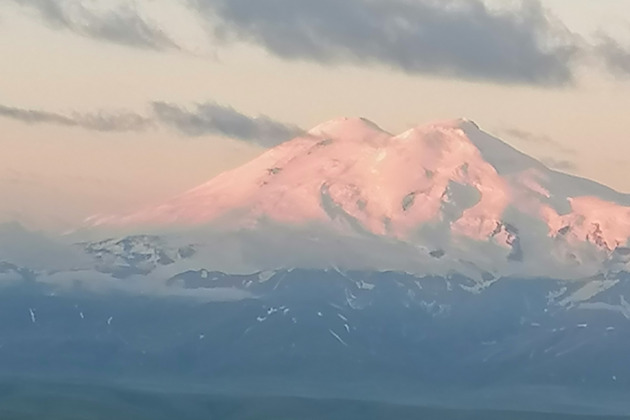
{"x": 440, "y": 265}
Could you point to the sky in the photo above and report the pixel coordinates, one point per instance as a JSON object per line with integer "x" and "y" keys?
{"x": 110, "y": 105}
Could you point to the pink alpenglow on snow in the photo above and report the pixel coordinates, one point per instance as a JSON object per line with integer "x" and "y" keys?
{"x": 449, "y": 178}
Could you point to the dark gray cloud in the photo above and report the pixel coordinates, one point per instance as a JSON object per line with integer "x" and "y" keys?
{"x": 615, "y": 56}
{"x": 458, "y": 38}
{"x": 122, "y": 26}
{"x": 559, "y": 164}
{"x": 112, "y": 122}
{"x": 211, "y": 118}
{"x": 204, "y": 119}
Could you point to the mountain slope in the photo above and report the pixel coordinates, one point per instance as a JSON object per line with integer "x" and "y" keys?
{"x": 522, "y": 343}
{"x": 440, "y": 263}
{"x": 448, "y": 190}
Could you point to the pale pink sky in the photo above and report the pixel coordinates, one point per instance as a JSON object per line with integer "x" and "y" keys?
{"x": 53, "y": 176}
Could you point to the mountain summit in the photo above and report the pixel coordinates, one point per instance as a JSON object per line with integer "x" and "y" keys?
{"x": 449, "y": 193}
{"x": 419, "y": 264}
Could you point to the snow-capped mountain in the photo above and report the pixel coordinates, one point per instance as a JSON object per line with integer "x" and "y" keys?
{"x": 447, "y": 195}
{"x": 401, "y": 266}
{"x": 134, "y": 255}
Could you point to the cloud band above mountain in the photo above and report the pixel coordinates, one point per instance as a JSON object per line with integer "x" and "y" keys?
{"x": 520, "y": 44}
{"x": 615, "y": 56}
{"x": 206, "y": 119}
{"x": 464, "y": 39}
{"x": 211, "y": 118}
{"x": 123, "y": 25}
{"x": 102, "y": 121}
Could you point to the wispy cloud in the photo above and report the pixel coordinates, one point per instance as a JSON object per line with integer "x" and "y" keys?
{"x": 521, "y": 43}
{"x": 102, "y": 121}
{"x": 200, "y": 120}
{"x": 211, "y": 118}
{"x": 615, "y": 56}
{"x": 458, "y": 38}
{"x": 559, "y": 164}
{"x": 529, "y": 137}
{"x": 122, "y": 25}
